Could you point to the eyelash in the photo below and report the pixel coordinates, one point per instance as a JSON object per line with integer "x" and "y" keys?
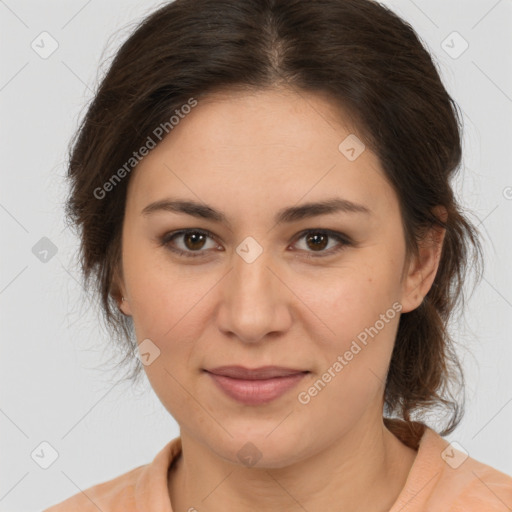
{"x": 339, "y": 237}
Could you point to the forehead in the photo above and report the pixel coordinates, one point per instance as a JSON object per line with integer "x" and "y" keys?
{"x": 235, "y": 120}
{"x": 259, "y": 147}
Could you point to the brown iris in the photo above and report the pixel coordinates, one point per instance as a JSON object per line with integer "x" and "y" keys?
{"x": 319, "y": 240}
{"x": 196, "y": 240}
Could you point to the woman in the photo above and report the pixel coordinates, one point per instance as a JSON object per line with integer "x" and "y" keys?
{"x": 263, "y": 195}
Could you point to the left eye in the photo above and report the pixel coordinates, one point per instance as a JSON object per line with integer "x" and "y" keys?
{"x": 319, "y": 240}
{"x": 194, "y": 240}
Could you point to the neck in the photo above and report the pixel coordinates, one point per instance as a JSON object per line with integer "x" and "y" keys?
{"x": 365, "y": 470}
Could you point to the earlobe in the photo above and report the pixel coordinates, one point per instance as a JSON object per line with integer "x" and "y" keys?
{"x": 124, "y": 307}
{"x": 118, "y": 293}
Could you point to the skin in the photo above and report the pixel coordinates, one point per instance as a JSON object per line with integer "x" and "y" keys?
{"x": 249, "y": 155}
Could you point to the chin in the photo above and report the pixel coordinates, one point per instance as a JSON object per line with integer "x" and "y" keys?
{"x": 262, "y": 447}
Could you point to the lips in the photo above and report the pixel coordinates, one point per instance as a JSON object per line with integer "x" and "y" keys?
{"x": 264, "y": 372}
{"x": 255, "y": 386}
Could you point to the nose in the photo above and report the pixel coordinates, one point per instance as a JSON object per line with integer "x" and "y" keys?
{"x": 255, "y": 301}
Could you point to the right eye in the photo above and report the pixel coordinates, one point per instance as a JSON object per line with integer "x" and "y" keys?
{"x": 193, "y": 240}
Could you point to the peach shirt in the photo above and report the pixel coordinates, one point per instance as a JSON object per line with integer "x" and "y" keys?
{"x": 432, "y": 485}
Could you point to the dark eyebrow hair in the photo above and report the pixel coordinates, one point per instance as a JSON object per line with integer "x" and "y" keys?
{"x": 290, "y": 214}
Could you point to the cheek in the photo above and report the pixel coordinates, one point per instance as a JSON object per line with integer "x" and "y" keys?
{"x": 359, "y": 312}
{"x": 167, "y": 306}
{"x": 347, "y": 300}
{"x": 162, "y": 295}
{"x": 362, "y": 312}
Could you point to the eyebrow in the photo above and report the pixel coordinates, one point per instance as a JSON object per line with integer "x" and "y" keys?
{"x": 285, "y": 215}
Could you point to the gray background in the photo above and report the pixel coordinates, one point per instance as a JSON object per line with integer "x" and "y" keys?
{"x": 53, "y": 383}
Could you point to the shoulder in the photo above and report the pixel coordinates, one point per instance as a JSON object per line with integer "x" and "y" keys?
{"x": 478, "y": 487}
{"x": 143, "y": 488}
{"x": 110, "y": 496}
{"x": 449, "y": 479}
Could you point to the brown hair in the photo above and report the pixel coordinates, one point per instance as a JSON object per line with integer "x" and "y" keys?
{"x": 365, "y": 59}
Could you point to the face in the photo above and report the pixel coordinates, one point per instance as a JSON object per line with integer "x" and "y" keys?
{"x": 316, "y": 293}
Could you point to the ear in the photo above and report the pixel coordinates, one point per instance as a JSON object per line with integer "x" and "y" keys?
{"x": 119, "y": 291}
{"x": 422, "y": 269}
